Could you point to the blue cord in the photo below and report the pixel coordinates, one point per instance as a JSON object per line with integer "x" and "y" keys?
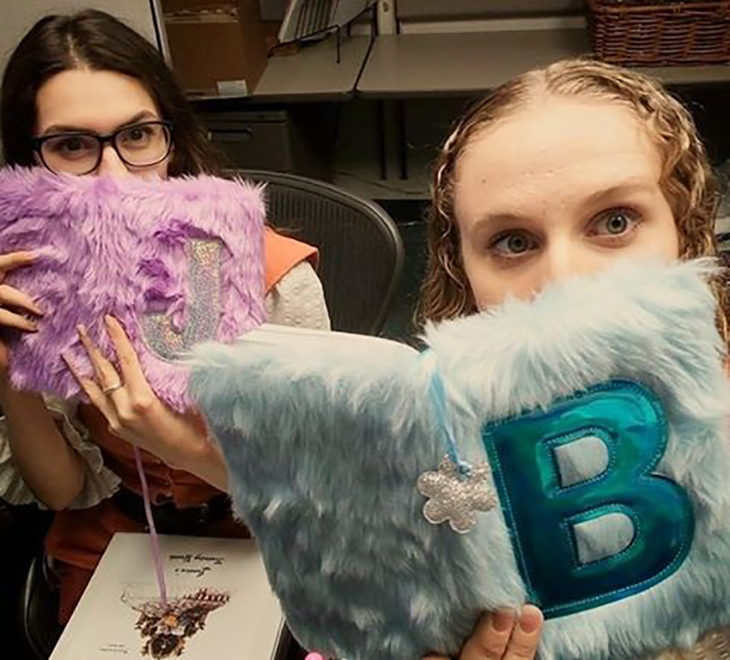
{"x": 438, "y": 396}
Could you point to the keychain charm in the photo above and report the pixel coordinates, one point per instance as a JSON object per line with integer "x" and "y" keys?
{"x": 456, "y": 497}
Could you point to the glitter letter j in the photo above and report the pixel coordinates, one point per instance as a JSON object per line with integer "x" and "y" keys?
{"x": 203, "y": 308}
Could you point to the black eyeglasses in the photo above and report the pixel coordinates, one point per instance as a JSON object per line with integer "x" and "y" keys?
{"x": 137, "y": 145}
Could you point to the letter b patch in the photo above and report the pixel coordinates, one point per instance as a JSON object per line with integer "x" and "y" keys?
{"x": 590, "y": 521}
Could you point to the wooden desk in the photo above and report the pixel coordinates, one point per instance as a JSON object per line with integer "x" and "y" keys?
{"x": 469, "y": 63}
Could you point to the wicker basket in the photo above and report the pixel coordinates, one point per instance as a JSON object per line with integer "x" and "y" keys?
{"x": 660, "y": 32}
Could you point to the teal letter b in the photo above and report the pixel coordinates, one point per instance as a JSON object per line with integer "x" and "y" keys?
{"x": 589, "y": 521}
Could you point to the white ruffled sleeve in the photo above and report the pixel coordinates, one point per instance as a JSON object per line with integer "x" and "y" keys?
{"x": 100, "y": 481}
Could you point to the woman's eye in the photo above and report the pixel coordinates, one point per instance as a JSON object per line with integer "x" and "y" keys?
{"x": 136, "y": 134}
{"x": 69, "y": 144}
{"x": 72, "y": 144}
{"x": 70, "y": 147}
{"x": 615, "y": 222}
{"x": 513, "y": 244}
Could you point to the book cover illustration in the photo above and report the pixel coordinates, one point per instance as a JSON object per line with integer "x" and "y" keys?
{"x": 165, "y": 628}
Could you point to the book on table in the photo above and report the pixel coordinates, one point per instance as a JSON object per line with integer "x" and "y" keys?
{"x": 219, "y": 603}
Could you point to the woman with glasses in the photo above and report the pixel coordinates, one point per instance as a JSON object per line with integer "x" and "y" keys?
{"x": 85, "y": 95}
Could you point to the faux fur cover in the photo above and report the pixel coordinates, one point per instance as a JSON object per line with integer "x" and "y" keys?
{"x": 325, "y": 439}
{"x": 182, "y": 255}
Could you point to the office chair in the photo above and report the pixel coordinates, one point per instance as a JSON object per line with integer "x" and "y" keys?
{"x": 361, "y": 253}
{"x": 39, "y": 610}
{"x": 32, "y": 606}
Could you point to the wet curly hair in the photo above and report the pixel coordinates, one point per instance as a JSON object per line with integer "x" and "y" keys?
{"x": 687, "y": 179}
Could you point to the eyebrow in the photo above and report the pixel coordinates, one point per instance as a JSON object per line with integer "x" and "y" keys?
{"x": 629, "y": 186}
{"x": 68, "y": 128}
{"x": 633, "y": 185}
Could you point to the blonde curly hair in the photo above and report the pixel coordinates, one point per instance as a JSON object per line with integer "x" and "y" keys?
{"x": 687, "y": 179}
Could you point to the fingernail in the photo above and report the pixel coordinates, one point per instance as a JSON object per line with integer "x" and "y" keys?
{"x": 109, "y": 320}
{"x": 502, "y": 620}
{"x": 531, "y": 619}
{"x": 81, "y": 329}
{"x": 66, "y": 357}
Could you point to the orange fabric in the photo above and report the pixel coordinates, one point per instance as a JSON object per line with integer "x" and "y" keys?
{"x": 73, "y": 580}
{"x": 281, "y": 254}
{"x": 78, "y": 538}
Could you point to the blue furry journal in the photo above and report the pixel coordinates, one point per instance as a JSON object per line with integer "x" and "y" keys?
{"x": 570, "y": 451}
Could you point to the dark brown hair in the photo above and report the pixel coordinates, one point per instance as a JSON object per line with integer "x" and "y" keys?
{"x": 97, "y": 41}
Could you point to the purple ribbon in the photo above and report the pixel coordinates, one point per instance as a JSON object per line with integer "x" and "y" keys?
{"x": 156, "y": 554}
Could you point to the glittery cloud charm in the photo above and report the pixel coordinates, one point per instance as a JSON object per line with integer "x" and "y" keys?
{"x": 456, "y": 497}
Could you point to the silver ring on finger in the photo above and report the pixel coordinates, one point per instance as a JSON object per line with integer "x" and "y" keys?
{"x": 113, "y": 388}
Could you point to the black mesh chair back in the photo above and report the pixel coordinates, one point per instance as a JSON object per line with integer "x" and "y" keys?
{"x": 39, "y": 610}
{"x": 361, "y": 253}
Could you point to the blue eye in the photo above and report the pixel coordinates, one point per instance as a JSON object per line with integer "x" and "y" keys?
{"x": 615, "y": 222}
{"x": 513, "y": 244}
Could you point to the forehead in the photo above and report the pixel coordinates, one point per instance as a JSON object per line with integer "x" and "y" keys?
{"x": 556, "y": 149}
{"x": 99, "y": 101}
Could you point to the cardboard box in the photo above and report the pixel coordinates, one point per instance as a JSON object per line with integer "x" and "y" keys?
{"x": 217, "y": 47}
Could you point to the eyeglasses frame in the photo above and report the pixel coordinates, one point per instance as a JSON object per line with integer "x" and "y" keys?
{"x": 103, "y": 140}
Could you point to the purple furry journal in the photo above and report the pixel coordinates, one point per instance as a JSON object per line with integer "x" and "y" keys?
{"x": 177, "y": 262}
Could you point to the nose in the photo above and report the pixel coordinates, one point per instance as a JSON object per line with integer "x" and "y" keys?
{"x": 567, "y": 257}
{"x": 111, "y": 164}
